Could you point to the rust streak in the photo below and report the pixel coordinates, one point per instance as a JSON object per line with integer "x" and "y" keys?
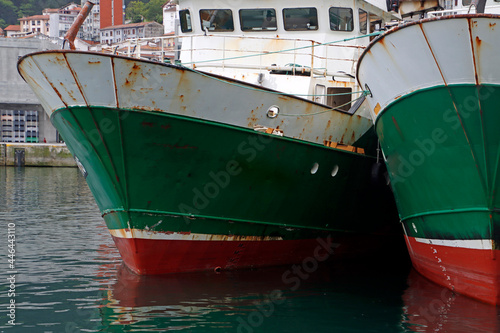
{"x": 433, "y": 55}
{"x": 114, "y": 82}
{"x": 473, "y": 51}
{"x": 76, "y": 81}
{"x": 57, "y": 92}
{"x": 398, "y": 128}
{"x": 77, "y": 23}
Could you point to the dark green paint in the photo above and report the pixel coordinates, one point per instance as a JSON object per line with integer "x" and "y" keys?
{"x": 149, "y": 166}
{"x": 442, "y": 150}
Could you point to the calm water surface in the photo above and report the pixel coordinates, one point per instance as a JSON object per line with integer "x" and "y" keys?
{"x": 70, "y": 279}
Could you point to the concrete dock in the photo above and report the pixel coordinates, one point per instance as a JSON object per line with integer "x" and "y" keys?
{"x": 35, "y": 154}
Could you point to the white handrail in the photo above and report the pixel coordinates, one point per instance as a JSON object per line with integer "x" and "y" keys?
{"x": 320, "y": 58}
{"x": 463, "y": 10}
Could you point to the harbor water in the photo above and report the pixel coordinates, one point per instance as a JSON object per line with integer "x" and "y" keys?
{"x": 62, "y": 273}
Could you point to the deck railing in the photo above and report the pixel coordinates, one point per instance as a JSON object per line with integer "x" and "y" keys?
{"x": 464, "y": 10}
{"x": 256, "y": 53}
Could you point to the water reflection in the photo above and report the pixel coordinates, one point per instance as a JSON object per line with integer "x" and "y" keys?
{"x": 432, "y": 308}
{"x": 62, "y": 246}
{"x": 256, "y": 300}
{"x": 71, "y": 279}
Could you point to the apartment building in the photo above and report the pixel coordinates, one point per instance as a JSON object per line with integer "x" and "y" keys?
{"x": 35, "y": 23}
{"x": 119, "y": 33}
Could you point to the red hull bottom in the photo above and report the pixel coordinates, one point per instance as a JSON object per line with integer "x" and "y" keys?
{"x": 471, "y": 272}
{"x": 146, "y": 256}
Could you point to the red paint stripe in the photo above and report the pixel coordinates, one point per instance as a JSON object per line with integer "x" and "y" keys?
{"x": 146, "y": 256}
{"x": 432, "y": 308}
{"x": 472, "y": 272}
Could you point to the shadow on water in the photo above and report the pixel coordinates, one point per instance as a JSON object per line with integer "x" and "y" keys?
{"x": 261, "y": 300}
{"x": 70, "y": 279}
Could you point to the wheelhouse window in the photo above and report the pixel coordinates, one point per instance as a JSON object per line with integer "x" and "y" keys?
{"x": 258, "y": 19}
{"x": 217, "y": 19}
{"x": 297, "y": 19}
{"x": 341, "y": 19}
{"x": 185, "y": 18}
{"x": 363, "y": 21}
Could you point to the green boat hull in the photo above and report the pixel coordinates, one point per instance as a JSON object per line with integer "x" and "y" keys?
{"x": 443, "y": 163}
{"x": 442, "y": 149}
{"x": 159, "y": 178}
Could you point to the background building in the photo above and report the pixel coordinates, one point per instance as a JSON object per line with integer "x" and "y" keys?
{"x": 111, "y": 12}
{"x": 12, "y": 30}
{"x": 22, "y": 118}
{"x": 119, "y": 33}
{"x": 170, "y": 17}
{"x": 92, "y": 24}
{"x": 35, "y": 23}
{"x": 60, "y": 20}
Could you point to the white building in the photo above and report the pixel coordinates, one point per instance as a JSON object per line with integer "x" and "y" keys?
{"x": 60, "y": 20}
{"x": 12, "y": 30}
{"x": 35, "y": 23}
{"x": 92, "y": 24}
{"x": 170, "y": 17}
{"x": 119, "y": 33}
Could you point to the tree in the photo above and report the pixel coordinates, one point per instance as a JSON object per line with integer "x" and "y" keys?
{"x": 11, "y": 10}
{"x": 138, "y": 11}
{"x": 8, "y": 13}
{"x": 154, "y": 11}
{"x": 26, "y": 9}
{"x": 135, "y": 11}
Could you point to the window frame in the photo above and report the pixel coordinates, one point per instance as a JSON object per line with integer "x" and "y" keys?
{"x": 252, "y": 29}
{"x": 214, "y": 28}
{"x": 300, "y": 29}
{"x": 366, "y": 21}
{"x": 341, "y": 8}
{"x": 181, "y": 12}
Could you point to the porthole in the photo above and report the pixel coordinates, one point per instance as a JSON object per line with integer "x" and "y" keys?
{"x": 335, "y": 170}
{"x": 314, "y": 168}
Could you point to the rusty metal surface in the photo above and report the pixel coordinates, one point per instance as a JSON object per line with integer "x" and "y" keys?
{"x": 460, "y": 49}
{"x": 409, "y": 24}
{"x": 73, "y": 30}
{"x": 69, "y": 78}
